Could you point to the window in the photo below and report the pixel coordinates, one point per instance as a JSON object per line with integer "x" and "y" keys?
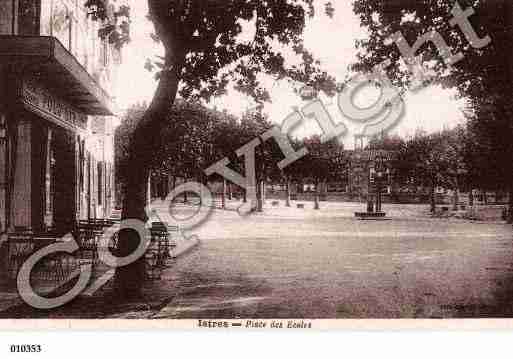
{"x": 67, "y": 21}
{"x": 56, "y": 20}
{"x": 104, "y": 53}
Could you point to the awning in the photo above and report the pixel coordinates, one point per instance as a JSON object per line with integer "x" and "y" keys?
{"x": 59, "y": 70}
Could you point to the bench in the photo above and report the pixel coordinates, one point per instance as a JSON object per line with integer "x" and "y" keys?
{"x": 275, "y": 203}
{"x": 301, "y": 206}
{"x": 370, "y": 215}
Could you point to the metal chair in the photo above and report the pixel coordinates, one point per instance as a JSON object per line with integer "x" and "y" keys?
{"x": 20, "y": 247}
{"x": 158, "y": 251}
{"x": 88, "y": 235}
{"x": 56, "y": 267}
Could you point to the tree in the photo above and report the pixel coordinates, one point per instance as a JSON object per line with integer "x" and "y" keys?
{"x": 433, "y": 160}
{"x": 323, "y": 163}
{"x": 122, "y": 143}
{"x": 419, "y": 163}
{"x": 453, "y": 153}
{"x": 293, "y": 172}
{"x": 385, "y": 143}
{"x": 484, "y": 77}
{"x": 202, "y": 55}
{"x": 318, "y": 163}
{"x": 488, "y": 151}
{"x": 253, "y": 124}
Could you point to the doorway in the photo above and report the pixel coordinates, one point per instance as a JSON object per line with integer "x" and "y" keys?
{"x": 63, "y": 181}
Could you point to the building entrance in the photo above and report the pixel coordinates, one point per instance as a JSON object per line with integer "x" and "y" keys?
{"x": 63, "y": 181}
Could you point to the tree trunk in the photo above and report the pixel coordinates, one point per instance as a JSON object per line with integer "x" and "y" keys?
{"x": 497, "y": 197}
{"x": 144, "y": 140}
{"x": 223, "y": 195}
{"x": 287, "y": 194}
{"x": 508, "y": 10}
{"x": 471, "y": 198}
{"x": 316, "y": 196}
{"x": 129, "y": 279}
{"x": 433, "y": 199}
{"x": 510, "y": 205}
{"x": 230, "y": 193}
{"x": 260, "y": 196}
{"x": 165, "y": 188}
{"x": 456, "y": 198}
{"x": 148, "y": 190}
{"x": 485, "y": 197}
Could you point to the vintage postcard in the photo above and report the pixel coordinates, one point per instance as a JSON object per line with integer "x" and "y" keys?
{"x": 247, "y": 164}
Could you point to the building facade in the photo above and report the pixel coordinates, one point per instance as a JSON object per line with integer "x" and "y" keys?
{"x": 57, "y": 117}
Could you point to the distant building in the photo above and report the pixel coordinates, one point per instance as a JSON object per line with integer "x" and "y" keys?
{"x": 57, "y": 117}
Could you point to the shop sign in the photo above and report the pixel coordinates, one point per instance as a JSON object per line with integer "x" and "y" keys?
{"x": 50, "y": 106}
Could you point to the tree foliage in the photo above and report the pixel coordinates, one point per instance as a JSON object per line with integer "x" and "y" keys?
{"x": 413, "y": 19}
{"x": 205, "y": 50}
{"x": 322, "y": 162}
{"x": 483, "y": 78}
{"x": 115, "y": 21}
{"x": 214, "y": 54}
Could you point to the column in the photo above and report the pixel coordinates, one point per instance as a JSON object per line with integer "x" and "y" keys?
{"x": 22, "y": 194}
{"x": 108, "y": 189}
{"x": 148, "y": 191}
{"x": 87, "y": 183}
{"x": 78, "y": 173}
{"x": 94, "y": 187}
{"x": 48, "y": 205}
{"x": 105, "y": 189}
{"x": 83, "y": 182}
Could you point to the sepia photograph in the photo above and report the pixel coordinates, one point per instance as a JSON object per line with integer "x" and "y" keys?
{"x": 255, "y": 164}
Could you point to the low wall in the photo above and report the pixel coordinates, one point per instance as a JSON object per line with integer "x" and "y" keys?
{"x": 348, "y": 197}
{"x": 397, "y": 198}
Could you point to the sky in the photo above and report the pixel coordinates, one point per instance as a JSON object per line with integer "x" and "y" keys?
{"x": 331, "y": 40}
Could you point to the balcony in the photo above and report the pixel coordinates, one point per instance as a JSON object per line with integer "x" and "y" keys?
{"x": 59, "y": 70}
